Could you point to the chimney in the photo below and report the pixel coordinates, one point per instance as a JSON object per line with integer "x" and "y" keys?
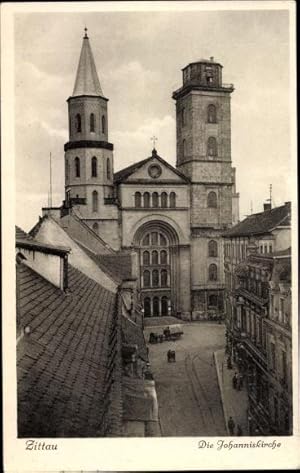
{"x": 211, "y": 58}
{"x": 267, "y": 206}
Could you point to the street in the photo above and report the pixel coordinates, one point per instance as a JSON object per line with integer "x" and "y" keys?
{"x": 188, "y": 393}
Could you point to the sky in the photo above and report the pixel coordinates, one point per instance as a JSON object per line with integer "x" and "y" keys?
{"x": 139, "y": 57}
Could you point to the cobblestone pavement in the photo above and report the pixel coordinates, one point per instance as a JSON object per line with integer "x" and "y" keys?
{"x": 187, "y": 390}
{"x": 235, "y": 403}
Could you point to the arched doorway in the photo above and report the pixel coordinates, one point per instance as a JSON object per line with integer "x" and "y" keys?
{"x": 157, "y": 245}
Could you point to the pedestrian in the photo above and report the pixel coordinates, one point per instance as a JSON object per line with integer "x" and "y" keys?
{"x": 229, "y": 364}
{"x": 231, "y": 425}
{"x": 234, "y": 380}
{"x": 239, "y": 430}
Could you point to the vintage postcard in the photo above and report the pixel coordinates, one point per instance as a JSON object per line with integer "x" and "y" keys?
{"x": 149, "y": 236}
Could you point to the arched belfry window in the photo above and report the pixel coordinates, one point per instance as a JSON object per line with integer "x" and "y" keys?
{"x": 94, "y": 167}
{"x": 212, "y": 200}
{"x": 183, "y": 116}
{"x": 92, "y": 122}
{"x": 172, "y": 200}
{"x": 108, "y": 173}
{"x": 103, "y": 124}
{"x": 211, "y": 114}
{"x": 212, "y": 248}
{"x": 78, "y": 123}
{"x": 138, "y": 199}
{"x": 95, "y": 201}
{"x": 77, "y": 167}
{"x": 212, "y": 147}
{"x": 213, "y": 272}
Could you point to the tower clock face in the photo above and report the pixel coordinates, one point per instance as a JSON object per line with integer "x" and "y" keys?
{"x": 154, "y": 171}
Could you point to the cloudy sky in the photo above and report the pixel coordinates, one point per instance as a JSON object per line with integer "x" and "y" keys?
{"x": 139, "y": 56}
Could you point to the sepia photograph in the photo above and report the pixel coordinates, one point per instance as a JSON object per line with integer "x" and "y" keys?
{"x": 154, "y": 216}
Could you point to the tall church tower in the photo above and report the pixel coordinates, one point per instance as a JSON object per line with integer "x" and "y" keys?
{"x": 88, "y": 153}
{"x": 204, "y": 156}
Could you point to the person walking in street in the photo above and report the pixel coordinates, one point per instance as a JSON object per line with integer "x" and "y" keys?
{"x": 231, "y": 425}
{"x": 239, "y": 430}
{"x": 234, "y": 380}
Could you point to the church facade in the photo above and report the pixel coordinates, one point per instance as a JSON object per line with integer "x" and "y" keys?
{"x": 171, "y": 218}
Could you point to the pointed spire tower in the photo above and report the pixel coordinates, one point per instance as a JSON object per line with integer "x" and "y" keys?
{"x": 88, "y": 154}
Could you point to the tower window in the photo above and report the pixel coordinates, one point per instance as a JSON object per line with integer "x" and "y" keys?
{"x": 92, "y": 122}
{"x": 212, "y": 248}
{"x": 211, "y": 114}
{"x": 212, "y": 200}
{"x": 77, "y": 167}
{"x": 103, "y": 124}
{"x": 183, "y": 116}
{"x": 146, "y": 199}
{"x": 108, "y": 174}
{"x": 184, "y": 148}
{"x": 155, "y": 202}
{"x": 173, "y": 200}
{"x": 213, "y": 272}
{"x": 138, "y": 199}
{"x": 78, "y": 123}
{"x": 95, "y": 227}
{"x": 164, "y": 200}
{"x": 95, "y": 201}
{"x": 94, "y": 167}
{"x": 67, "y": 170}
{"x": 212, "y": 146}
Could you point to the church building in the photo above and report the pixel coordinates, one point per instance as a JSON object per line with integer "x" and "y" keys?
{"x": 172, "y": 219}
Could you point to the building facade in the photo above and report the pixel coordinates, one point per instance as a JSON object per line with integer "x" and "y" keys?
{"x": 258, "y": 316}
{"x": 172, "y": 218}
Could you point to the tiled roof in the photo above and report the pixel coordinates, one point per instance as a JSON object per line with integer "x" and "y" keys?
{"x": 126, "y": 172}
{"x": 24, "y": 240}
{"x": 62, "y": 363}
{"x": 20, "y": 234}
{"x": 133, "y": 335}
{"x": 262, "y": 222}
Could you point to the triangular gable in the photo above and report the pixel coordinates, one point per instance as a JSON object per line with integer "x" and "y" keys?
{"x": 141, "y": 171}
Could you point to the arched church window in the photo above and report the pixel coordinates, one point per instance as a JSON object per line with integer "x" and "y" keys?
{"x": 163, "y": 257}
{"x": 95, "y": 201}
{"x": 154, "y": 238}
{"x": 155, "y": 278}
{"x": 212, "y": 200}
{"x": 67, "y": 170}
{"x": 183, "y": 116}
{"x": 155, "y": 306}
{"x": 164, "y": 305}
{"x": 147, "y": 307}
{"x": 94, "y": 167}
{"x": 103, "y": 124}
{"x": 146, "y": 240}
{"x": 78, "y": 123}
{"x": 184, "y": 148}
{"x": 211, "y": 114}
{"x": 164, "y": 278}
{"x": 212, "y": 248}
{"x": 155, "y": 199}
{"x": 146, "y": 258}
{"x": 95, "y": 227}
{"x": 77, "y": 167}
{"x": 154, "y": 257}
{"x": 172, "y": 200}
{"x": 212, "y": 146}
{"x": 146, "y": 199}
{"x": 163, "y": 240}
{"x": 164, "y": 200}
{"x": 212, "y": 272}
{"x": 92, "y": 122}
{"x": 138, "y": 199}
{"x": 108, "y": 174}
{"x": 146, "y": 278}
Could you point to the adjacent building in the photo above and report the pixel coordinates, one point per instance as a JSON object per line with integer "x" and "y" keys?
{"x": 257, "y": 259}
{"x": 171, "y": 218}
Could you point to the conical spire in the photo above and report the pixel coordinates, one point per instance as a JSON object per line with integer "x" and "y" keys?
{"x": 87, "y": 81}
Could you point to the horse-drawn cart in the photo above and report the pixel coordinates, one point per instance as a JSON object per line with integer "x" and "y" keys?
{"x": 172, "y": 333}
